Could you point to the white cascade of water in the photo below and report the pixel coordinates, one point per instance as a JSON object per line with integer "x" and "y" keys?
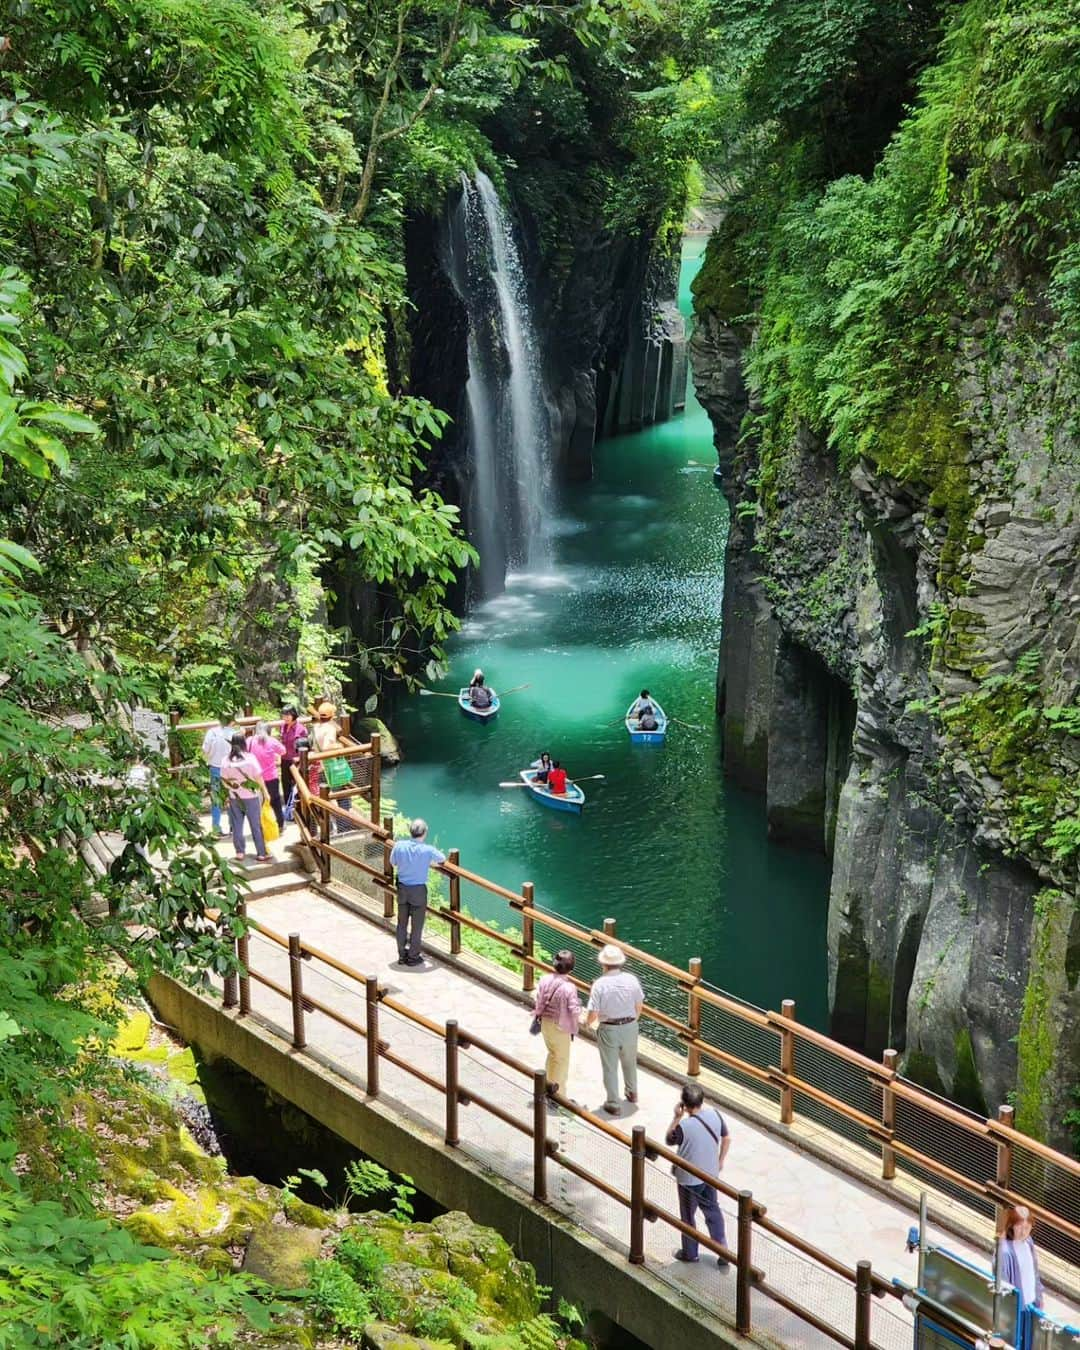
{"x": 507, "y": 423}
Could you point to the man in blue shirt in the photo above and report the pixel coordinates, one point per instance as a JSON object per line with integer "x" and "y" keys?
{"x": 412, "y": 857}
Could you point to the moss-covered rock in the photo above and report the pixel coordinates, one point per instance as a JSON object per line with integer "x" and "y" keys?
{"x": 282, "y": 1255}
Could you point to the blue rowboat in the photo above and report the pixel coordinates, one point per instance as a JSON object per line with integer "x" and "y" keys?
{"x": 573, "y": 799}
{"x": 477, "y": 714}
{"x": 656, "y": 737}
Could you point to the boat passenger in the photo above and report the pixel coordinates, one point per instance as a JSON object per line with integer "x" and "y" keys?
{"x": 647, "y": 721}
{"x": 543, "y": 766}
{"x": 480, "y": 696}
{"x": 556, "y": 779}
{"x": 642, "y": 704}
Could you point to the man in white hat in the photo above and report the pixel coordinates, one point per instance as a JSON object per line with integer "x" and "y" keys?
{"x": 615, "y": 1003}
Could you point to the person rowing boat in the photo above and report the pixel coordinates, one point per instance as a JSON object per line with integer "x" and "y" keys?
{"x": 480, "y": 694}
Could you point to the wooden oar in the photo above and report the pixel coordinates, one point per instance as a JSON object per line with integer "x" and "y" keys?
{"x": 587, "y": 779}
{"x": 436, "y": 693}
{"x": 514, "y": 690}
{"x": 690, "y": 725}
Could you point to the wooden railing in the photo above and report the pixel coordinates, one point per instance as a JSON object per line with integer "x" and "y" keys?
{"x": 984, "y": 1164}
{"x": 863, "y": 1284}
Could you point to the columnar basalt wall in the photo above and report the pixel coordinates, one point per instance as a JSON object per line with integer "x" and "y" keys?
{"x": 881, "y": 652}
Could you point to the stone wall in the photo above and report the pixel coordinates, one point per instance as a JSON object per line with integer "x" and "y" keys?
{"x": 885, "y": 648}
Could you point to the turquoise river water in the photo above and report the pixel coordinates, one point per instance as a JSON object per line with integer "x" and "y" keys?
{"x": 665, "y": 845}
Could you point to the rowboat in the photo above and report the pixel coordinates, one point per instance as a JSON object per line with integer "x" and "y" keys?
{"x": 477, "y": 714}
{"x": 656, "y": 737}
{"x": 573, "y": 799}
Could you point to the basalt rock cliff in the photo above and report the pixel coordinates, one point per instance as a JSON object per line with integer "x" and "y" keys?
{"x": 899, "y": 673}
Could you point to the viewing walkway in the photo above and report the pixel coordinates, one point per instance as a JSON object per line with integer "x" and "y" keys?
{"x": 829, "y": 1151}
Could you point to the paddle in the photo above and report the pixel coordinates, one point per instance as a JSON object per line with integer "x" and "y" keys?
{"x": 587, "y": 779}
{"x": 689, "y": 725}
{"x": 435, "y": 693}
{"x": 514, "y": 690}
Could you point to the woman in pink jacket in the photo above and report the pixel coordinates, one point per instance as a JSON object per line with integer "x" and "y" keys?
{"x": 559, "y": 1010}
{"x": 268, "y": 750}
{"x": 241, "y": 775}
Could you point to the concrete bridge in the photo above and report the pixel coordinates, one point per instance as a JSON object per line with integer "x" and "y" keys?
{"x": 432, "y": 1071}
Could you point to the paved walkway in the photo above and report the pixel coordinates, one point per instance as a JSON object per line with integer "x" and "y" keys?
{"x": 822, "y": 1205}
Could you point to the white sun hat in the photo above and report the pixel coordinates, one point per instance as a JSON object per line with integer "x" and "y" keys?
{"x": 611, "y": 956}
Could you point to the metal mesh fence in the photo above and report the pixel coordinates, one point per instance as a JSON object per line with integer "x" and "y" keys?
{"x": 848, "y": 1083}
{"x": 753, "y": 1044}
{"x": 1055, "y": 1186}
{"x": 963, "y": 1150}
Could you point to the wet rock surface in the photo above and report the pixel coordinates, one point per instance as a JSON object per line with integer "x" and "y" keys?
{"x": 940, "y": 629}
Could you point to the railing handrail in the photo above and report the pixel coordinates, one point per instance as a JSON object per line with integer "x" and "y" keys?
{"x": 864, "y": 1281}
{"x": 881, "y": 1077}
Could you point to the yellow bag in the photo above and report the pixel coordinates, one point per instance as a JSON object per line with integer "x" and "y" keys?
{"x": 269, "y": 823}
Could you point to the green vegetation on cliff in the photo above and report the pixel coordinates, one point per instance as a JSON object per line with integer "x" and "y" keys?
{"x": 900, "y": 221}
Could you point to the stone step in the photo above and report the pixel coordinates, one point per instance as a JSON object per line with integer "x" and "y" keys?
{"x": 277, "y": 883}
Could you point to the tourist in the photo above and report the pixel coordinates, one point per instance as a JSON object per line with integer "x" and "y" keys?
{"x": 700, "y": 1133}
{"x": 559, "y": 1010}
{"x": 268, "y": 750}
{"x": 241, "y": 774}
{"x": 647, "y": 721}
{"x": 556, "y": 779}
{"x": 1018, "y": 1262}
{"x": 215, "y": 747}
{"x": 615, "y": 1003}
{"x": 480, "y": 696}
{"x": 413, "y": 857}
{"x": 292, "y": 731}
{"x": 642, "y": 704}
{"x": 542, "y": 766}
{"x": 337, "y": 771}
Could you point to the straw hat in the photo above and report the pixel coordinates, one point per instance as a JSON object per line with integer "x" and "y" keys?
{"x": 326, "y": 711}
{"x": 611, "y": 956}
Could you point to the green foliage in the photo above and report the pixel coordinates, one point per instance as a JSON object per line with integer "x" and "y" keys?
{"x": 83, "y": 1282}
{"x": 365, "y": 1179}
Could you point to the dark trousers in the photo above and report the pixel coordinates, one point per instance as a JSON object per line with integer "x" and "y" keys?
{"x": 703, "y": 1197}
{"x": 273, "y": 791}
{"x": 287, "y": 783}
{"x": 411, "y": 913}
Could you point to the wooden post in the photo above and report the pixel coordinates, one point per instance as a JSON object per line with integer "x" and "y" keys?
{"x": 371, "y": 1026}
{"x": 528, "y": 974}
{"x": 229, "y": 994}
{"x": 345, "y": 723}
{"x": 325, "y": 824}
{"x": 888, "y": 1114}
{"x": 787, "y": 1062}
{"x": 864, "y": 1287}
{"x": 609, "y": 928}
{"x": 540, "y": 1136}
{"x": 249, "y": 711}
{"x": 243, "y": 955}
{"x": 637, "y": 1195}
{"x": 303, "y": 766}
{"x": 175, "y": 757}
{"x": 388, "y": 867}
{"x": 743, "y": 1263}
{"x": 454, "y": 858}
{"x": 376, "y": 776}
{"x": 296, "y": 991}
{"x": 1003, "y": 1171}
{"x": 693, "y": 1019}
{"x": 453, "y": 1138}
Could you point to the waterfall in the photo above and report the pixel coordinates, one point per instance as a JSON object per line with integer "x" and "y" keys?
{"x": 506, "y": 418}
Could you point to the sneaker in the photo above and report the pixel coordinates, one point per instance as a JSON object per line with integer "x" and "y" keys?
{"x": 723, "y": 1262}
{"x": 612, "y": 1110}
{"x": 631, "y": 1097}
{"x": 413, "y": 961}
{"x": 680, "y": 1255}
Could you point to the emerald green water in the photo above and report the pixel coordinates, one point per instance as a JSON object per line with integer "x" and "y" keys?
{"x": 665, "y": 845}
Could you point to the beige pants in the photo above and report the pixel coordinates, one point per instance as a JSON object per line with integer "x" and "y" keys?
{"x": 558, "y": 1057}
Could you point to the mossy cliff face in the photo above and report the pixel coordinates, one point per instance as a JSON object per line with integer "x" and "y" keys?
{"x": 901, "y": 647}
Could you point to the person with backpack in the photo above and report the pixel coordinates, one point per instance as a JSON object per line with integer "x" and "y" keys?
{"x": 701, "y": 1135}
